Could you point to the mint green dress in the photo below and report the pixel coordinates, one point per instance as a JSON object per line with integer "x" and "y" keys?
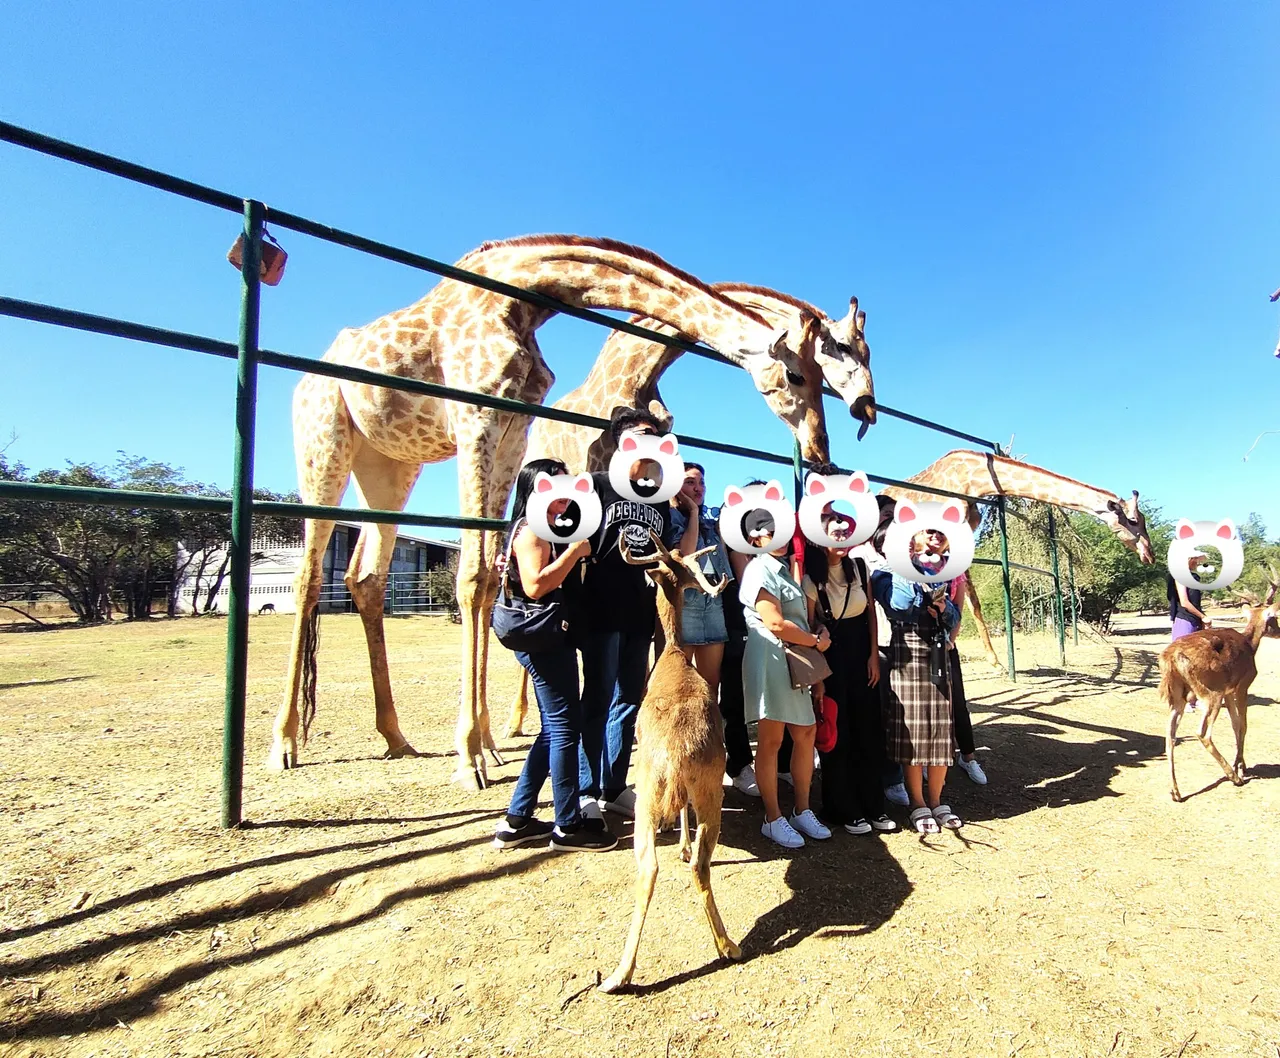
{"x": 766, "y": 680}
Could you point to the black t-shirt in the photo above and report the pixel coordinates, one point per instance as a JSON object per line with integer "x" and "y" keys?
{"x": 616, "y": 597}
{"x": 1176, "y": 609}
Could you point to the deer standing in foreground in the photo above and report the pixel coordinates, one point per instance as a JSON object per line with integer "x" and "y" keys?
{"x": 1216, "y": 666}
{"x": 680, "y": 759}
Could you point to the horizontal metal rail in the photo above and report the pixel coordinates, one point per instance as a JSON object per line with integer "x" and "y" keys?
{"x": 189, "y": 189}
{"x": 1013, "y": 565}
{"x": 85, "y": 321}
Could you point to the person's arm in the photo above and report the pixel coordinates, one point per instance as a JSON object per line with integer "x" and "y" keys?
{"x": 688, "y": 543}
{"x": 810, "y": 599}
{"x": 770, "y": 611}
{"x": 903, "y": 600}
{"x": 539, "y": 575}
{"x": 738, "y": 563}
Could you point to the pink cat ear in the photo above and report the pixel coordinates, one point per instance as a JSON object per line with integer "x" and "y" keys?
{"x": 732, "y": 497}
{"x": 629, "y": 444}
{"x": 1185, "y": 530}
{"x": 543, "y": 483}
{"x": 668, "y": 446}
{"x": 773, "y": 491}
{"x": 815, "y": 487}
{"x": 582, "y": 483}
{"x": 859, "y": 483}
{"x": 1226, "y": 529}
{"x": 904, "y": 512}
{"x": 952, "y": 513}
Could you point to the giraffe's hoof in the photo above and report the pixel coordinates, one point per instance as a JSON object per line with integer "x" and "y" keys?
{"x": 515, "y": 731}
{"x": 281, "y": 759}
{"x": 615, "y": 983}
{"x": 498, "y": 761}
{"x": 401, "y": 752}
{"x": 470, "y": 778}
{"x": 730, "y": 950}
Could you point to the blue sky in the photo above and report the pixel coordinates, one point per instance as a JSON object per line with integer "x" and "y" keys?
{"x": 1061, "y": 222}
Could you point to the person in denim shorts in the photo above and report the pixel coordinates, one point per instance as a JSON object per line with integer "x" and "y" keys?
{"x": 693, "y": 527}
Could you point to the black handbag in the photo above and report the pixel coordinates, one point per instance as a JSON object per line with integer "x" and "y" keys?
{"x": 528, "y": 625}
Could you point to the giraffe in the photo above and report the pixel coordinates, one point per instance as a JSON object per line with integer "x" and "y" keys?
{"x": 982, "y": 474}
{"x": 471, "y": 338}
{"x": 628, "y": 369}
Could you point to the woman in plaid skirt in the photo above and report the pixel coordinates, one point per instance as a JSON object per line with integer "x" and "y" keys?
{"x": 919, "y": 731}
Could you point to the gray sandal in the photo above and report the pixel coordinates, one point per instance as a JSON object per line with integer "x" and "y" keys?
{"x": 947, "y": 818}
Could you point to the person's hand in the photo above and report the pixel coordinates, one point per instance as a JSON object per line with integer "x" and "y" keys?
{"x": 579, "y": 550}
{"x": 824, "y": 639}
{"x": 1207, "y": 623}
{"x": 686, "y": 504}
{"x": 873, "y": 668}
{"x": 937, "y": 608}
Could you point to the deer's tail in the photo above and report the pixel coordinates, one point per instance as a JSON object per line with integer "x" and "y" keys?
{"x": 1173, "y": 688}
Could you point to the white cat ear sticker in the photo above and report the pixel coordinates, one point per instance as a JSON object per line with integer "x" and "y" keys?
{"x": 909, "y": 521}
{"x": 563, "y": 509}
{"x": 756, "y": 519}
{"x": 647, "y": 469}
{"x": 821, "y": 491}
{"x": 1189, "y": 537}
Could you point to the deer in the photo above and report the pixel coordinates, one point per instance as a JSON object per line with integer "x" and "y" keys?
{"x": 1216, "y": 666}
{"x": 680, "y": 757}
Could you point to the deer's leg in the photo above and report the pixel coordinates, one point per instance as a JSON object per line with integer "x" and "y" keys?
{"x": 1175, "y": 714}
{"x": 519, "y": 708}
{"x": 686, "y": 849}
{"x": 1206, "y": 735}
{"x": 1237, "y": 705}
{"x": 646, "y": 877}
{"x": 323, "y": 445}
{"x": 971, "y": 593}
{"x": 706, "y": 803}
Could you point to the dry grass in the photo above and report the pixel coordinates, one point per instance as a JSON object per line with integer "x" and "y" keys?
{"x": 1079, "y": 912}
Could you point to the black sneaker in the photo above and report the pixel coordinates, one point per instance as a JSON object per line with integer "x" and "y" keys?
{"x": 511, "y": 834}
{"x": 590, "y": 835}
{"x": 884, "y": 824}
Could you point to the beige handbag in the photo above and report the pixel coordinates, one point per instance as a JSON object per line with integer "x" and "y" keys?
{"x": 807, "y": 665}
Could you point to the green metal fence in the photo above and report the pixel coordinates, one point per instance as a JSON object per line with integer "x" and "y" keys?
{"x": 249, "y": 357}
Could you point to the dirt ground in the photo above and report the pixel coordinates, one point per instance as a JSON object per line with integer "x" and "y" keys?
{"x": 364, "y": 912}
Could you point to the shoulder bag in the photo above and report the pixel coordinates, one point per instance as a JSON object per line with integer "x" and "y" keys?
{"x": 528, "y": 625}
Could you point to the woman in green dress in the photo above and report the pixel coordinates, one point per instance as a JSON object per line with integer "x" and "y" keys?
{"x": 774, "y": 607}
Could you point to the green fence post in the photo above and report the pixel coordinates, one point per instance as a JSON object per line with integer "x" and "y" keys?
{"x": 1008, "y": 592}
{"x": 797, "y": 467}
{"x": 1057, "y": 592}
{"x": 1071, "y": 580}
{"x": 241, "y": 518}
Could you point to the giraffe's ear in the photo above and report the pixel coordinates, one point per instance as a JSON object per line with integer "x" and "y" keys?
{"x": 778, "y": 350}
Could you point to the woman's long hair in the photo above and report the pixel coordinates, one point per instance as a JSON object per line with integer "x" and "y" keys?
{"x": 524, "y": 484}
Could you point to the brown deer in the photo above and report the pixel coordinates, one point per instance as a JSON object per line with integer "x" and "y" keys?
{"x": 680, "y": 759}
{"x": 1216, "y": 666}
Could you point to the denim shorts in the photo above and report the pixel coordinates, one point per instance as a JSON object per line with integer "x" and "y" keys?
{"x": 702, "y": 619}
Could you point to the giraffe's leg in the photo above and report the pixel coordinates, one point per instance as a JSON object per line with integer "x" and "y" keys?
{"x": 707, "y": 795}
{"x": 971, "y": 593}
{"x": 486, "y": 732}
{"x": 381, "y": 483}
{"x": 323, "y": 446}
{"x": 519, "y": 708}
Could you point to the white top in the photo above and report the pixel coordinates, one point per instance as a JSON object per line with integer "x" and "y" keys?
{"x": 845, "y": 601}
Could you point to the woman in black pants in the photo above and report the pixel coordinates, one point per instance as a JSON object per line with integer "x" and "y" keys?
{"x": 837, "y": 591}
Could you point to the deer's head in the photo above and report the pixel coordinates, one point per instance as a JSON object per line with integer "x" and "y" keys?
{"x": 673, "y": 572}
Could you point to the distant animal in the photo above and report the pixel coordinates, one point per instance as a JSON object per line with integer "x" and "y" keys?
{"x": 1216, "y": 666}
{"x": 680, "y": 756}
{"x": 266, "y": 607}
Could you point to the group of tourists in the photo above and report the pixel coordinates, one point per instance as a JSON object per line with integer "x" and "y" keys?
{"x": 900, "y": 718}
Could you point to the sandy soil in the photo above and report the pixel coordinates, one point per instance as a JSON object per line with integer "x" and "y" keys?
{"x": 364, "y": 912}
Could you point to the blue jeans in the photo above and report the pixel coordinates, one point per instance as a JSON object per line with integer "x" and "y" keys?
{"x": 555, "y": 685}
{"x": 615, "y": 666}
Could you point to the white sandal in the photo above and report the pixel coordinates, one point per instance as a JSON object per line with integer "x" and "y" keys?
{"x": 947, "y": 818}
{"x": 924, "y": 822}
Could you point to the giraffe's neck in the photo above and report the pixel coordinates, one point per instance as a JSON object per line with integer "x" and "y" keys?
{"x": 601, "y": 274}
{"x": 980, "y": 474}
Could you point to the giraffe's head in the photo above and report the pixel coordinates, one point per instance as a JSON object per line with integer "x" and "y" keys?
{"x": 845, "y": 362}
{"x": 795, "y": 396}
{"x": 1129, "y": 524}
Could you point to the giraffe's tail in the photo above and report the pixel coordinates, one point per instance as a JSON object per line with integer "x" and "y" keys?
{"x": 310, "y": 648}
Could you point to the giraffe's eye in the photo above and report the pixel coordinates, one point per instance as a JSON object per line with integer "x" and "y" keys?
{"x": 794, "y": 379}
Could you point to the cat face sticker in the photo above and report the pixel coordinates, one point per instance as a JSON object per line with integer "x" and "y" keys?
{"x": 1189, "y": 537}
{"x": 563, "y": 509}
{"x": 854, "y": 489}
{"x": 911, "y": 519}
{"x": 756, "y": 519}
{"x": 647, "y": 469}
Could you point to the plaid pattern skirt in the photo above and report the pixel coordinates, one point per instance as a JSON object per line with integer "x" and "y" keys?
{"x": 918, "y": 727}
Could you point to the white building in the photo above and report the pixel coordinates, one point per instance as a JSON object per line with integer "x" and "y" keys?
{"x": 271, "y": 578}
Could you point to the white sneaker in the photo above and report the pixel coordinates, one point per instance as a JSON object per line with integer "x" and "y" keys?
{"x": 897, "y": 794}
{"x": 745, "y": 781}
{"x": 785, "y": 776}
{"x": 810, "y": 825}
{"x": 589, "y": 808}
{"x": 972, "y": 769}
{"x": 780, "y": 831}
{"x": 624, "y": 804}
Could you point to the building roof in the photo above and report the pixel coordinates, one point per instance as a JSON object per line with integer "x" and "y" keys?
{"x": 452, "y": 545}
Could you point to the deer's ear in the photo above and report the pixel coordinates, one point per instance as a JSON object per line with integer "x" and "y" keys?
{"x": 905, "y": 512}
{"x": 773, "y": 492}
{"x": 668, "y": 445}
{"x": 858, "y": 482}
{"x": 732, "y": 496}
{"x": 952, "y": 512}
{"x": 543, "y": 483}
{"x": 1184, "y": 530}
{"x": 582, "y": 483}
{"x": 629, "y": 444}
{"x": 1226, "y": 530}
{"x": 815, "y": 486}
